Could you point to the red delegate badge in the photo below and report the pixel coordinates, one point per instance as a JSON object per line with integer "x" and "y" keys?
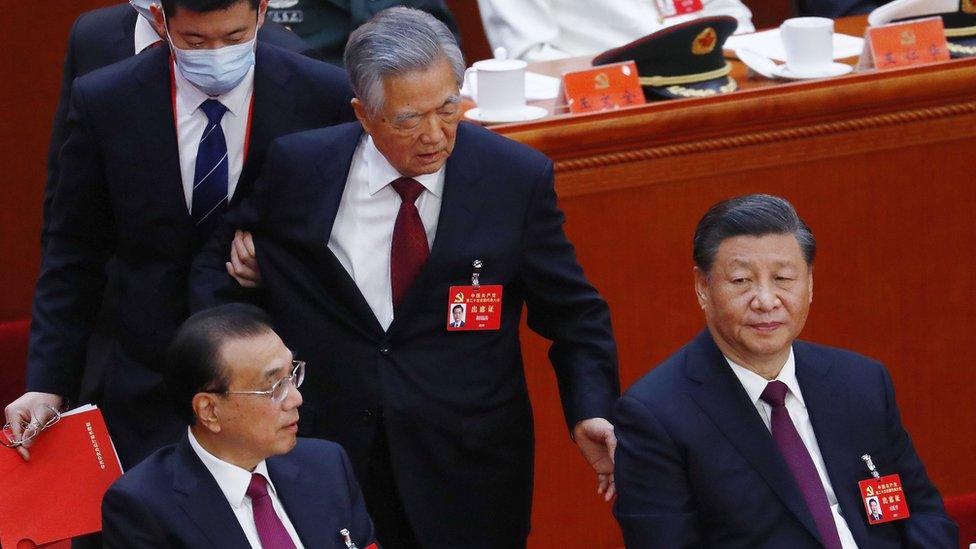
{"x": 671, "y": 8}
{"x": 884, "y": 499}
{"x": 471, "y": 308}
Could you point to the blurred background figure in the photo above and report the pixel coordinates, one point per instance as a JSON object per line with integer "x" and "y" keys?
{"x": 539, "y": 30}
{"x": 326, "y": 24}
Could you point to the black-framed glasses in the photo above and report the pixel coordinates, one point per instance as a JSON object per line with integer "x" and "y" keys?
{"x": 279, "y": 391}
{"x": 28, "y": 429}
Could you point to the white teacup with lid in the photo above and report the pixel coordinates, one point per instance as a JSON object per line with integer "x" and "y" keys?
{"x": 499, "y": 87}
{"x": 809, "y": 43}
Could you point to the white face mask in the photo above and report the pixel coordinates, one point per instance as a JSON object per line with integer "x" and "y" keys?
{"x": 215, "y": 72}
{"x": 142, "y": 6}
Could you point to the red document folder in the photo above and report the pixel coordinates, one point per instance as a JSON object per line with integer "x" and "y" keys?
{"x": 58, "y": 493}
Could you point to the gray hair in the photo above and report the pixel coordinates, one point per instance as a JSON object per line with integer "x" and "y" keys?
{"x": 397, "y": 41}
{"x": 753, "y": 215}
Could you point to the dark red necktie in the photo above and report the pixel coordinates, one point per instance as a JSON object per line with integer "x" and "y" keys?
{"x": 270, "y": 529}
{"x": 409, "y": 250}
{"x": 801, "y": 464}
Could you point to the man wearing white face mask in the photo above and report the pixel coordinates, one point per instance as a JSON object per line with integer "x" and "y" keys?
{"x": 157, "y": 150}
{"x": 108, "y": 35}
{"x": 100, "y": 38}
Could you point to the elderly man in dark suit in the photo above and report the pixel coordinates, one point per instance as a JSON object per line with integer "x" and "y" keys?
{"x": 238, "y": 477}
{"x": 365, "y": 234}
{"x": 749, "y": 437}
{"x": 156, "y": 152}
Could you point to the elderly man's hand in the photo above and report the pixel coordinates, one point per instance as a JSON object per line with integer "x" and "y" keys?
{"x": 33, "y": 407}
{"x": 243, "y": 264}
{"x": 597, "y": 443}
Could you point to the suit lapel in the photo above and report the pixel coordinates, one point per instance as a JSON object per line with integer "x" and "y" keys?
{"x": 203, "y": 502}
{"x": 152, "y": 108}
{"x": 342, "y": 294}
{"x": 463, "y": 191}
{"x": 721, "y": 396}
{"x": 829, "y": 410}
{"x": 304, "y": 507}
{"x": 274, "y": 106}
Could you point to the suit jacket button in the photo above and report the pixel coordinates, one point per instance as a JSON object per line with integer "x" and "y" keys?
{"x": 385, "y": 350}
{"x": 367, "y": 415}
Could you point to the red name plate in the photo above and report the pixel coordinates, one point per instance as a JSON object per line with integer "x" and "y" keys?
{"x": 908, "y": 43}
{"x": 603, "y": 88}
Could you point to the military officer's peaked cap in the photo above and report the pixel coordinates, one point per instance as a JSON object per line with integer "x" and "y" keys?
{"x": 684, "y": 60}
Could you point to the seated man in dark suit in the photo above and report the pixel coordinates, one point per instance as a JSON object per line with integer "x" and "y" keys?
{"x": 749, "y": 437}
{"x": 239, "y": 477}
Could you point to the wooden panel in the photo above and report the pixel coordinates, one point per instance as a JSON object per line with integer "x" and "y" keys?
{"x": 770, "y": 13}
{"x": 474, "y": 43}
{"x": 880, "y": 165}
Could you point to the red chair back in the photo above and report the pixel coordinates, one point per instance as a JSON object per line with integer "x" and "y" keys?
{"x": 962, "y": 509}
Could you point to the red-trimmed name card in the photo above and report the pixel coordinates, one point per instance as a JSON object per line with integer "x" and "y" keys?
{"x": 905, "y": 44}
{"x": 603, "y": 88}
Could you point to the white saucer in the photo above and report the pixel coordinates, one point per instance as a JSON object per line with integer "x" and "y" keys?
{"x": 828, "y": 71}
{"x": 529, "y": 112}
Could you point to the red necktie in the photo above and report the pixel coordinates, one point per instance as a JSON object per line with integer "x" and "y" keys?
{"x": 271, "y": 531}
{"x": 801, "y": 464}
{"x": 409, "y": 249}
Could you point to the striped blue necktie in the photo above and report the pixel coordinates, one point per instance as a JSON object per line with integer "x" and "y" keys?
{"x": 210, "y": 172}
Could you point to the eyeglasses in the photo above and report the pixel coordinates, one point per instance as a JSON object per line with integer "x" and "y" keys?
{"x": 279, "y": 391}
{"x": 28, "y": 430}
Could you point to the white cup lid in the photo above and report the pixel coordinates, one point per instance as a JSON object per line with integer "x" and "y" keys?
{"x": 500, "y": 65}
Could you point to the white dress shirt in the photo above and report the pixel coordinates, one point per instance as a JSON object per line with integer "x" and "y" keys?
{"x": 233, "y": 482}
{"x": 191, "y": 121}
{"x": 539, "y": 30}
{"x": 363, "y": 230}
{"x": 755, "y": 384}
{"x": 145, "y": 34}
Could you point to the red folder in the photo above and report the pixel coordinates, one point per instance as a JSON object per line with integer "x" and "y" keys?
{"x": 58, "y": 493}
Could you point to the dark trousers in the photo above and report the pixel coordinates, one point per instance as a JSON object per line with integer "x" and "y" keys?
{"x": 383, "y": 499}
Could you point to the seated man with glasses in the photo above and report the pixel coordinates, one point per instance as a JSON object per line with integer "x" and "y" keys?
{"x": 239, "y": 477}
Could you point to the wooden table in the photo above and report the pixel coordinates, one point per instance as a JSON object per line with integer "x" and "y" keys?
{"x": 880, "y": 164}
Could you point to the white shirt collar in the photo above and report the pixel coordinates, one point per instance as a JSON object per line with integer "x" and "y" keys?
{"x": 145, "y": 34}
{"x": 381, "y": 173}
{"x": 189, "y": 97}
{"x": 755, "y": 384}
{"x": 233, "y": 480}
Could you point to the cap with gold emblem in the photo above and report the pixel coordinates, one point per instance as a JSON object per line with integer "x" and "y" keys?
{"x": 960, "y": 24}
{"x": 684, "y": 60}
{"x": 960, "y": 29}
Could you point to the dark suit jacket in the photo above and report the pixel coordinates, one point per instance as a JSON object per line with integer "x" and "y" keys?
{"x": 697, "y": 467}
{"x": 171, "y": 500}
{"x": 837, "y": 8}
{"x": 121, "y": 196}
{"x": 326, "y": 24}
{"x": 454, "y": 405}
